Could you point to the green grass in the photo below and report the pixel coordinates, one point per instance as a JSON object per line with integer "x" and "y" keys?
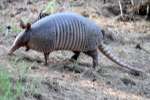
{"x": 11, "y": 90}
{"x": 1, "y": 29}
{"x": 23, "y": 70}
{"x": 8, "y": 90}
{"x": 15, "y": 29}
{"x": 20, "y": 66}
{"x": 51, "y": 7}
{"x": 30, "y": 85}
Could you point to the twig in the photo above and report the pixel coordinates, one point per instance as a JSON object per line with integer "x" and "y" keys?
{"x": 142, "y": 1}
{"x": 132, "y": 2}
{"x": 147, "y": 11}
{"x": 120, "y": 8}
{"x": 65, "y": 6}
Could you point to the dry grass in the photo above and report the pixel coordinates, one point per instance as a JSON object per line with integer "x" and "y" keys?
{"x": 59, "y": 81}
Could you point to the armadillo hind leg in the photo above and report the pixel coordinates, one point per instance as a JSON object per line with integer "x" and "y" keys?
{"x": 75, "y": 56}
{"x": 27, "y": 48}
{"x": 46, "y": 55}
{"x": 94, "y": 55}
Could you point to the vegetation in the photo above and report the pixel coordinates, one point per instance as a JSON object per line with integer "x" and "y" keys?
{"x": 8, "y": 90}
{"x": 24, "y": 77}
{"x": 51, "y": 7}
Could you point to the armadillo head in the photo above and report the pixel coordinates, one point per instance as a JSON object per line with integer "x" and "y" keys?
{"x": 22, "y": 38}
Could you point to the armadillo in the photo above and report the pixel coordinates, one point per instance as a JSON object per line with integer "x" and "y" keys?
{"x": 65, "y": 31}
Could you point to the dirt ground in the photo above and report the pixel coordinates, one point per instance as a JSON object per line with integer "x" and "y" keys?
{"x": 63, "y": 80}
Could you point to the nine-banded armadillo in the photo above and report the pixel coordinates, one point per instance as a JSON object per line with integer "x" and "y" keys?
{"x": 65, "y": 31}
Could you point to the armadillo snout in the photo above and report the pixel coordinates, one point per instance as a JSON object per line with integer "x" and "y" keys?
{"x": 12, "y": 49}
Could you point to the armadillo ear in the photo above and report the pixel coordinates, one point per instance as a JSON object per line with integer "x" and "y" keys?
{"x": 22, "y": 25}
{"x": 28, "y": 26}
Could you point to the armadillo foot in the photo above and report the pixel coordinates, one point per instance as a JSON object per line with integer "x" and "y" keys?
{"x": 10, "y": 53}
{"x": 72, "y": 60}
{"x": 27, "y": 49}
{"x": 136, "y": 72}
{"x": 44, "y": 63}
{"x": 75, "y": 56}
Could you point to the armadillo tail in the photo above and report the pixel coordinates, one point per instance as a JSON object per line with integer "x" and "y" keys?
{"x": 109, "y": 55}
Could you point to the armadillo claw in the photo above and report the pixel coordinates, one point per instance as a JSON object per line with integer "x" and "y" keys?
{"x": 10, "y": 53}
{"x": 136, "y": 72}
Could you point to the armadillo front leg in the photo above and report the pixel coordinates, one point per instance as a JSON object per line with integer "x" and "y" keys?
{"x": 94, "y": 55}
{"x": 27, "y": 48}
{"x": 46, "y": 55}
